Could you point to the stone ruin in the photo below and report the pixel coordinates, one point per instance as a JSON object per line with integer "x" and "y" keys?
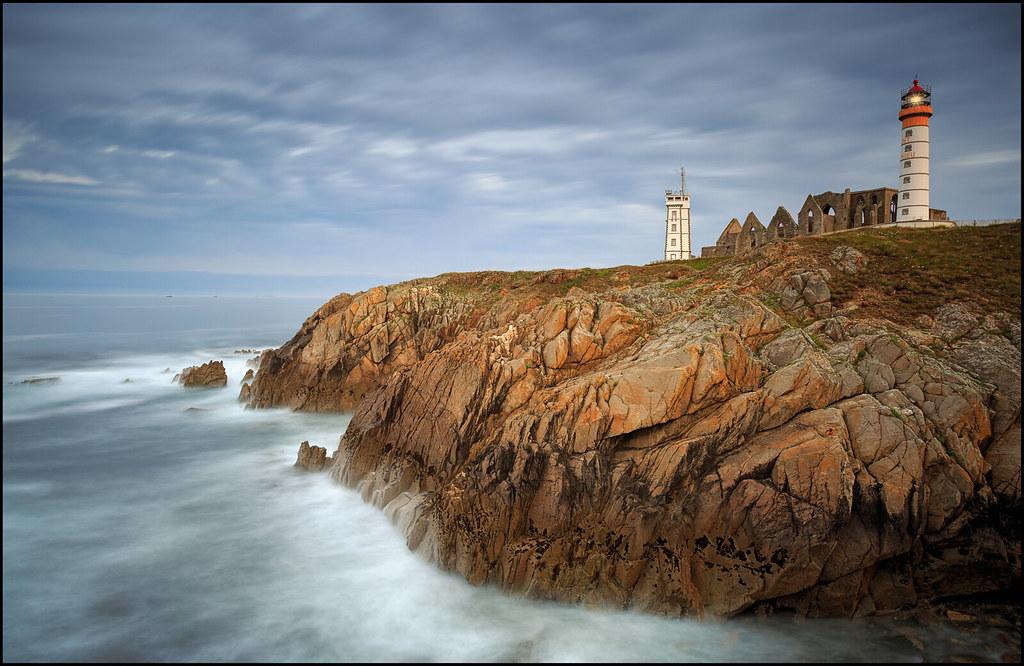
{"x": 820, "y": 214}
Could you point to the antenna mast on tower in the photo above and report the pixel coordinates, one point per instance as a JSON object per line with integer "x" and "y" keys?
{"x": 682, "y": 180}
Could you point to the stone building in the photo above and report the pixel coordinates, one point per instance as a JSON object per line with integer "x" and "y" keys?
{"x": 821, "y": 214}
{"x": 831, "y": 211}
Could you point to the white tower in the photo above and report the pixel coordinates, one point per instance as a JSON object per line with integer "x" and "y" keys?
{"x": 915, "y": 110}
{"x": 677, "y": 221}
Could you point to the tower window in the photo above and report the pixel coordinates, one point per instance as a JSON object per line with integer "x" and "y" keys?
{"x": 673, "y": 242}
{"x": 673, "y": 226}
{"x": 909, "y": 133}
{"x": 906, "y": 164}
{"x": 906, "y": 211}
{"x": 906, "y": 179}
{"x": 907, "y": 148}
{"x": 906, "y": 195}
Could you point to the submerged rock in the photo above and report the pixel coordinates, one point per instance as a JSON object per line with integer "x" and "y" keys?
{"x": 40, "y": 380}
{"x": 207, "y": 375}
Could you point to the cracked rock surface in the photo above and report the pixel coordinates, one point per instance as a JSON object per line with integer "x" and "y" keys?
{"x": 706, "y": 444}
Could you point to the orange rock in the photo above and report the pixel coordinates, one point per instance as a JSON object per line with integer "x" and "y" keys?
{"x": 682, "y": 451}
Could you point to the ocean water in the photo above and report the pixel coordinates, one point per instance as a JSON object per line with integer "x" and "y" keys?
{"x": 145, "y": 521}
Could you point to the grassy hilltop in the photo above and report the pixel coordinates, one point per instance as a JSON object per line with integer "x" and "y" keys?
{"x": 910, "y": 272}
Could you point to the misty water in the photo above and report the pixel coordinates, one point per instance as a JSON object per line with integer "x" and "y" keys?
{"x": 138, "y": 528}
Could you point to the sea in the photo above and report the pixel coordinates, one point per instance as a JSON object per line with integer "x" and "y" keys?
{"x": 143, "y": 521}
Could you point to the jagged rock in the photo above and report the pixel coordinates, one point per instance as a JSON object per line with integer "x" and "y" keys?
{"x": 249, "y": 374}
{"x": 953, "y": 321}
{"x": 815, "y": 289}
{"x": 313, "y": 458}
{"x": 786, "y": 348}
{"x": 674, "y": 449}
{"x": 848, "y": 260}
{"x": 245, "y": 393}
{"x": 806, "y": 293}
{"x": 256, "y": 360}
{"x": 346, "y": 349}
{"x": 207, "y": 375}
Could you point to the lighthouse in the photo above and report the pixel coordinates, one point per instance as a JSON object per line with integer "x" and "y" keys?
{"x": 677, "y": 221}
{"x": 915, "y": 110}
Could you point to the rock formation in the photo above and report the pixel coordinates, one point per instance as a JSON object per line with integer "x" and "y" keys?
{"x": 40, "y": 380}
{"x": 313, "y": 458}
{"x": 713, "y": 440}
{"x": 207, "y": 375}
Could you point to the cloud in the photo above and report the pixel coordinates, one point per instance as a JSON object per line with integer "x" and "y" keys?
{"x": 16, "y": 136}
{"x": 49, "y": 177}
{"x": 479, "y": 136}
{"x": 534, "y": 142}
{"x": 985, "y": 159}
{"x": 393, "y": 148}
{"x": 487, "y": 182}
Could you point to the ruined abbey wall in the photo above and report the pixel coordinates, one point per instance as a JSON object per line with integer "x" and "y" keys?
{"x": 820, "y": 214}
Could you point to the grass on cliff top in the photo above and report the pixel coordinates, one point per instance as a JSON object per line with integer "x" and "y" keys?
{"x": 558, "y": 282}
{"x": 912, "y": 272}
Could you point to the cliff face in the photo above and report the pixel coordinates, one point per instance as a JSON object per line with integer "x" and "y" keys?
{"x": 347, "y": 347}
{"x": 683, "y": 438}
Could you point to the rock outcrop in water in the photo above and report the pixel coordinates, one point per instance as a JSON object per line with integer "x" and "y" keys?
{"x": 313, "y": 458}
{"x": 682, "y": 438}
{"x": 40, "y": 380}
{"x": 207, "y": 375}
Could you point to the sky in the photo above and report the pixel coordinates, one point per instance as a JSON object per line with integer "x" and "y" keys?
{"x": 322, "y": 148}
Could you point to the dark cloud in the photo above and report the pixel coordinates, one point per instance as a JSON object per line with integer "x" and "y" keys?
{"x": 400, "y": 140}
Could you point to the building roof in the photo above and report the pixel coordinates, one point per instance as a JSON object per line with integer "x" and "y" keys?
{"x": 731, "y": 229}
{"x": 752, "y": 222}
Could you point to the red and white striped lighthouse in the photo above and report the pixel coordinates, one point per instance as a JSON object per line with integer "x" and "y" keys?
{"x": 915, "y": 110}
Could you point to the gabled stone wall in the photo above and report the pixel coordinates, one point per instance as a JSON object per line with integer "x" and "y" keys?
{"x": 820, "y": 214}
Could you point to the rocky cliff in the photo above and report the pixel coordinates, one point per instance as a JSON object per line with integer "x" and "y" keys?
{"x": 811, "y": 427}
